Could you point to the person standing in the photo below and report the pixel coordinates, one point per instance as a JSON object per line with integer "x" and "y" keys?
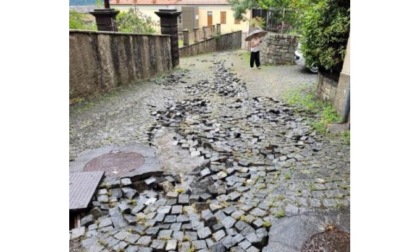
{"x": 255, "y": 51}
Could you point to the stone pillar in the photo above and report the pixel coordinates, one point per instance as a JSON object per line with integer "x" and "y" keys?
{"x": 105, "y": 19}
{"x": 204, "y": 33}
{"x": 169, "y": 26}
{"x": 186, "y": 37}
{"x": 196, "y": 34}
{"x": 213, "y": 30}
{"x": 218, "y": 29}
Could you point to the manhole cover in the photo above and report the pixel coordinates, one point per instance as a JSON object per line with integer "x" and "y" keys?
{"x": 332, "y": 240}
{"x": 116, "y": 164}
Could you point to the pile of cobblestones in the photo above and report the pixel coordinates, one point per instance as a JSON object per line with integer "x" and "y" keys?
{"x": 261, "y": 161}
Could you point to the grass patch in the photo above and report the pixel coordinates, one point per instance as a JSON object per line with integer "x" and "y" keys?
{"x": 345, "y": 135}
{"x": 280, "y": 214}
{"x": 266, "y": 224}
{"x": 304, "y": 98}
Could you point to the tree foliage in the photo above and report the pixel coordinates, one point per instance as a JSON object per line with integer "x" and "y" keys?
{"x": 134, "y": 21}
{"x": 80, "y": 21}
{"x": 325, "y": 31}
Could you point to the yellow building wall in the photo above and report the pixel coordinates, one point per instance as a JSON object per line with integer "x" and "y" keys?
{"x": 230, "y": 25}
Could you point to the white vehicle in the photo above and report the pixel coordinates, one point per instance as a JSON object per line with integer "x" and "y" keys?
{"x": 300, "y": 60}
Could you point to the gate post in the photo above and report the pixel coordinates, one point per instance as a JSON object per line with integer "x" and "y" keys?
{"x": 169, "y": 26}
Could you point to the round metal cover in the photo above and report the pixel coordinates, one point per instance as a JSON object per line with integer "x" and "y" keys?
{"x": 332, "y": 240}
{"x": 116, "y": 164}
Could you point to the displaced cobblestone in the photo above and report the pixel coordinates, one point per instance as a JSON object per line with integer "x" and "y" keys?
{"x": 235, "y": 160}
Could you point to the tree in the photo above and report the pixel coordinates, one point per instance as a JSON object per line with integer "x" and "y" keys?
{"x": 80, "y": 21}
{"x": 135, "y": 21}
{"x": 325, "y": 31}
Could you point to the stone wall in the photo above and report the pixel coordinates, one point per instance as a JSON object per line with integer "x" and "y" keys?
{"x": 278, "y": 49}
{"x": 229, "y": 41}
{"x": 101, "y": 61}
{"x": 337, "y": 92}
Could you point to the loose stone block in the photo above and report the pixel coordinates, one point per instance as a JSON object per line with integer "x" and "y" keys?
{"x": 182, "y": 218}
{"x": 144, "y": 240}
{"x": 219, "y": 235}
{"x": 158, "y": 244}
{"x": 132, "y": 238}
{"x": 171, "y": 245}
{"x": 228, "y": 222}
{"x": 199, "y": 244}
{"x": 77, "y": 232}
{"x": 204, "y": 232}
{"x": 192, "y": 235}
{"x": 170, "y": 219}
{"x": 177, "y": 209}
{"x": 164, "y": 209}
{"x": 183, "y": 199}
{"x": 87, "y": 220}
{"x": 164, "y": 234}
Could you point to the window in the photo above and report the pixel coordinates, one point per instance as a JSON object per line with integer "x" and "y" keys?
{"x": 237, "y": 21}
{"x": 223, "y": 17}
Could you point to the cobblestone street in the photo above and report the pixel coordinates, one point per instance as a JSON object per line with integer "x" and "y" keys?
{"x": 235, "y": 159}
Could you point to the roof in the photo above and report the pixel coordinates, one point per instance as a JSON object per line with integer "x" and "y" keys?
{"x": 169, "y": 2}
{"x": 144, "y": 2}
{"x": 204, "y": 2}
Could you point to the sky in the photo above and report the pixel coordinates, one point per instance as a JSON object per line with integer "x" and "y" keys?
{"x": 384, "y": 108}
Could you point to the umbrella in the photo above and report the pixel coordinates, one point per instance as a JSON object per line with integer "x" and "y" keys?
{"x": 258, "y": 32}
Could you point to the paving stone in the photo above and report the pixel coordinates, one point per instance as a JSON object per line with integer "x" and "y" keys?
{"x": 228, "y": 222}
{"x": 137, "y": 209}
{"x": 130, "y": 219}
{"x": 129, "y": 193}
{"x": 176, "y": 226}
{"x": 199, "y": 244}
{"x": 160, "y": 217}
{"x": 103, "y": 198}
{"x": 164, "y": 226}
{"x": 204, "y": 232}
{"x": 171, "y": 245}
{"x": 164, "y": 234}
{"x": 238, "y": 238}
{"x": 164, "y": 209}
{"x": 218, "y": 247}
{"x": 132, "y": 238}
{"x": 183, "y": 199}
{"x": 158, "y": 245}
{"x": 258, "y": 212}
{"x": 78, "y": 232}
{"x": 182, "y": 218}
{"x": 208, "y": 217}
{"x": 196, "y": 225}
{"x": 252, "y": 249}
{"x": 252, "y": 238}
{"x": 194, "y": 198}
{"x": 217, "y": 226}
{"x": 172, "y": 195}
{"x": 231, "y": 231}
{"x": 144, "y": 240}
{"x": 205, "y": 172}
{"x": 205, "y": 196}
{"x": 132, "y": 248}
{"x": 237, "y": 214}
{"x": 220, "y": 215}
{"x": 120, "y": 246}
{"x": 185, "y": 246}
{"x": 125, "y": 182}
{"x": 87, "y": 220}
{"x": 228, "y": 242}
{"x": 178, "y": 235}
{"x": 105, "y": 222}
{"x": 177, "y": 209}
{"x": 192, "y": 235}
{"x": 245, "y": 244}
{"x": 258, "y": 223}
{"x": 121, "y": 235}
{"x": 152, "y": 231}
{"x": 170, "y": 218}
{"x": 219, "y": 235}
{"x": 143, "y": 249}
